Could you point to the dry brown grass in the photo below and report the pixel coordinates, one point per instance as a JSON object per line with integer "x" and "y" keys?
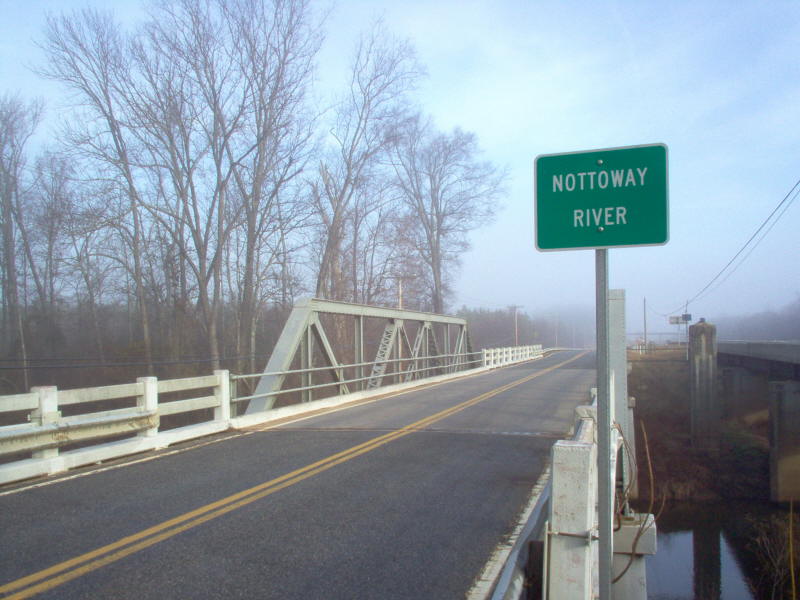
{"x": 660, "y": 383}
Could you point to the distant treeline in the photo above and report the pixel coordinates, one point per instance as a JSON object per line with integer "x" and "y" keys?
{"x": 779, "y": 325}
{"x": 495, "y": 328}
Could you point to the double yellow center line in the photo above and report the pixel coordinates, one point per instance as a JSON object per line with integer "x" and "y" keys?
{"x": 73, "y": 568}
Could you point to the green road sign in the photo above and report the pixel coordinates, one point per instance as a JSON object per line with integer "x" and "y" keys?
{"x": 602, "y": 198}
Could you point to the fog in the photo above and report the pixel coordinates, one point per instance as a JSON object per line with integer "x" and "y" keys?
{"x": 716, "y": 82}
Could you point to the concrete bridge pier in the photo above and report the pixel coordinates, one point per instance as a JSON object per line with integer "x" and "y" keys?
{"x": 784, "y": 455}
{"x": 743, "y": 391}
{"x": 705, "y": 411}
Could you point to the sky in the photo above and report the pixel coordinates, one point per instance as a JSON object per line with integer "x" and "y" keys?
{"x": 717, "y": 82}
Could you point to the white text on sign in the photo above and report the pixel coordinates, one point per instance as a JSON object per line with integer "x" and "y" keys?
{"x": 599, "y": 217}
{"x": 590, "y": 180}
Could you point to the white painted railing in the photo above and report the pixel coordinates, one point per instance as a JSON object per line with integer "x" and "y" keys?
{"x": 41, "y": 441}
{"x": 45, "y": 443}
{"x": 500, "y": 357}
{"x": 571, "y": 554}
{"x": 571, "y": 534}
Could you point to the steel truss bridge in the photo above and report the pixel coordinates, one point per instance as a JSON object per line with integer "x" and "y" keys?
{"x": 406, "y": 345}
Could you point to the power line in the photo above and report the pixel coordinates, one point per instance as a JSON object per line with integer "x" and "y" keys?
{"x": 750, "y": 251}
{"x": 794, "y": 191}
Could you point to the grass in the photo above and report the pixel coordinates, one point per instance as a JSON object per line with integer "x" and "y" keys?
{"x": 740, "y": 470}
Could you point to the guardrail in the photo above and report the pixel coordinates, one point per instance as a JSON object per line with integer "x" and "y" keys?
{"x": 565, "y": 519}
{"x": 409, "y": 369}
{"x": 571, "y": 533}
{"x": 51, "y": 442}
{"x": 497, "y": 357}
{"x": 539, "y": 527}
{"x": 113, "y": 421}
{"x": 571, "y": 537}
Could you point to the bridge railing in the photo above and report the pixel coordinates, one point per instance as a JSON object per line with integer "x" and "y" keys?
{"x": 571, "y": 534}
{"x": 563, "y": 523}
{"x": 565, "y": 518}
{"x": 498, "y": 357}
{"x": 51, "y": 430}
{"x": 408, "y": 369}
{"x": 56, "y": 430}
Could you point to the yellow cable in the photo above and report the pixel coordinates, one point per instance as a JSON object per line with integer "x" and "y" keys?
{"x": 791, "y": 548}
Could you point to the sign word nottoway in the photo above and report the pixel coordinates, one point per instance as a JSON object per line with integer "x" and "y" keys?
{"x": 602, "y": 198}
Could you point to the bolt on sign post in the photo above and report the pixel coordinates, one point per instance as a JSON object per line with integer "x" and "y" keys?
{"x": 601, "y": 199}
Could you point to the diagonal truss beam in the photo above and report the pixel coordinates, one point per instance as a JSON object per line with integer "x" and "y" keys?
{"x": 304, "y": 330}
{"x": 336, "y": 370}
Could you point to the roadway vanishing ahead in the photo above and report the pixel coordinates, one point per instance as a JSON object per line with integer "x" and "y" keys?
{"x": 402, "y": 497}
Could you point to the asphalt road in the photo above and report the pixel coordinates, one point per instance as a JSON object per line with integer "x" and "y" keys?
{"x": 404, "y": 497}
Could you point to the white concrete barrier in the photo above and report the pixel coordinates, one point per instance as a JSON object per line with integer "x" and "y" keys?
{"x": 39, "y": 443}
{"x": 41, "y": 439}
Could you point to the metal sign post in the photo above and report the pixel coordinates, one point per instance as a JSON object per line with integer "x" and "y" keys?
{"x": 604, "y": 488}
{"x": 600, "y": 199}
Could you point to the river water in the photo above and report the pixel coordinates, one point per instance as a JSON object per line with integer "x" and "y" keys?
{"x": 705, "y": 552}
{"x": 671, "y": 573}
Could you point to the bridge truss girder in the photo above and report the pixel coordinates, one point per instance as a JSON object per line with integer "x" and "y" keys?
{"x": 396, "y": 357}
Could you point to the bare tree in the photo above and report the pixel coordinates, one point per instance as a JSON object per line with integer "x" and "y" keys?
{"x": 185, "y": 104}
{"x": 366, "y": 123}
{"x": 372, "y": 251}
{"x": 199, "y": 120}
{"x": 89, "y": 234}
{"x": 218, "y": 106}
{"x": 447, "y": 192}
{"x": 182, "y": 186}
{"x": 86, "y": 52}
{"x": 18, "y": 121}
{"x": 277, "y": 45}
{"x": 41, "y": 226}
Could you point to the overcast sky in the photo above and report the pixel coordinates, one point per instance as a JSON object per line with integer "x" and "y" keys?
{"x": 717, "y": 82}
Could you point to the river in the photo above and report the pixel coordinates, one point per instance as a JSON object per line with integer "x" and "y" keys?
{"x": 715, "y": 551}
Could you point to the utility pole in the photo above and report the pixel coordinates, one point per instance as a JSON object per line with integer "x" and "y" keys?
{"x": 516, "y": 326}
{"x": 686, "y": 326}
{"x": 400, "y": 293}
{"x": 399, "y": 279}
{"x": 644, "y": 313}
{"x": 556, "y": 330}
